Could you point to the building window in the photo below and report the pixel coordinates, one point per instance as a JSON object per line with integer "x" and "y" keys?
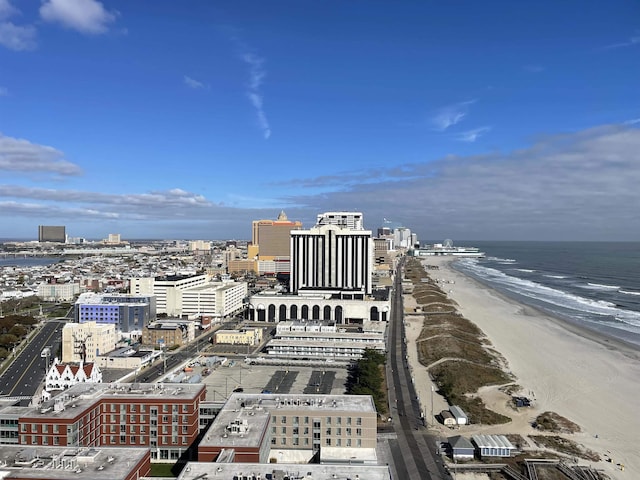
{"x": 273, "y": 440}
{"x": 328, "y": 421}
{"x": 284, "y": 430}
{"x": 359, "y": 421}
{"x": 123, "y": 439}
{"x": 283, "y": 420}
{"x": 327, "y": 442}
{"x": 359, "y": 432}
{"x": 348, "y": 420}
{"x": 283, "y": 441}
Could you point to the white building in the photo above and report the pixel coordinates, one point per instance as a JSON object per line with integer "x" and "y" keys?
{"x": 321, "y": 339}
{"x": 85, "y": 341}
{"x": 332, "y": 256}
{"x": 350, "y": 220}
{"x": 64, "y": 375}
{"x": 58, "y": 292}
{"x": 167, "y": 290}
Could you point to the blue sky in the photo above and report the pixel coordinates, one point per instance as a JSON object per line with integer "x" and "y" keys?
{"x": 464, "y": 120}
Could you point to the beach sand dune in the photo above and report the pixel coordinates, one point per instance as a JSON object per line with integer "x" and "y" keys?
{"x": 592, "y": 381}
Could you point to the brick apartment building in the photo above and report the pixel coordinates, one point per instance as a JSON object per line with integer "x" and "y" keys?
{"x": 163, "y": 417}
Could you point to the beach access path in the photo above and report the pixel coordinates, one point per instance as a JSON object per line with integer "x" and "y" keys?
{"x": 591, "y": 380}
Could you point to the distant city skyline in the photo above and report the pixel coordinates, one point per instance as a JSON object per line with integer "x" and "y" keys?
{"x": 463, "y": 120}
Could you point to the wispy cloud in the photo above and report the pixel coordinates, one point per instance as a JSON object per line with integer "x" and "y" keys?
{"x": 17, "y": 37}
{"x": 450, "y": 115}
{"x": 193, "y": 83}
{"x": 534, "y": 68}
{"x": 632, "y": 41}
{"x": 256, "y": 77}
{"x": 84, "y": 16}
{"x": 472, "y": 135}
{"x": 19, "y": 155}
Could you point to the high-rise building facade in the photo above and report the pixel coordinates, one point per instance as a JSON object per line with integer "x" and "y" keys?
{"x": 272, "y": 238}
{"x": 336, "y": 254}
{"x": 52, "y": 233}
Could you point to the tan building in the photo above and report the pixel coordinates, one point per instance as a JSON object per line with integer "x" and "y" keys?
{"x": 88, "y": 339}
{"x": 341, "y": 427}
{"x": 170, "y": 331}
{"x": 246, "y": 336}
{"x": 273, "y": 237}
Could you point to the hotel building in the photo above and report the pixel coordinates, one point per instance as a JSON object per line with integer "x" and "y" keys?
{"x": 270, "y": 242}
{"x": 129, "y": 313}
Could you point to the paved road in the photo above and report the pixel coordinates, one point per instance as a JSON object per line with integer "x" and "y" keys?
{"x": 24, "y": 375}
{"x": 414, "y": 450}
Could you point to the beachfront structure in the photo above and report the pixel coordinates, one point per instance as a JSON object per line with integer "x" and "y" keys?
{"x": 270, "y": 243}
{"x": 170, "y": 331}
{"x": 448, "y": 420}
{"x": 333, "y": 257}
{"x": 461, "y": 448}
{"x": 62, "y": 463}
{"x": 129, "y": 313}
{"x": 459, "y": 415}
{"x": 270, "y": 306}
{"x": 65, "y": 375}
{"x": 53, "y": 291}
{"x": 493, "y": 445}
{"x": 321, "y": 339}
{"x": 86, "y": 341}
{"x": 52, "y": 233}
{"x": 244, "y": 336}
{"x": 262, "y": 428}
{"x": 160, "y": 417}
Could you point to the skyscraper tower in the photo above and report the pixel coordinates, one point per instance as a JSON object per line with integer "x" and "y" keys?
{"x": 336, "y": 255}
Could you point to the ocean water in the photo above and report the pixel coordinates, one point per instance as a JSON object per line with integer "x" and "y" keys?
{"x": 592, "y": 284}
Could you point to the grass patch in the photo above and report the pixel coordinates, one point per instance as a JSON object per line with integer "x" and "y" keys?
{"x": 162, "y": 470}
{"x": 552, "y": 422}
{"x": 565, "y": 446}
{"x": 434, "y": 349}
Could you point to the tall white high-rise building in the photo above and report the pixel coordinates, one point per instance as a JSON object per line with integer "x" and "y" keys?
{"x": 336, "y": 255}
{"x": 352, "y": 220}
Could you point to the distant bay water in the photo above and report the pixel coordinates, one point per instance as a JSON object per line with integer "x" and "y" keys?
{"x": 595, "y": 285}
{"x": 28, "y": 261}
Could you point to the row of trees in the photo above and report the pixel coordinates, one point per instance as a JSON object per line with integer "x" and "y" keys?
{"x": 366, "y": 377}
{"x": 13, "y": 328}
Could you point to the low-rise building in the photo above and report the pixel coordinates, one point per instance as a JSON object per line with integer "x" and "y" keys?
{"x": 244, "y": 336}
{"x": 493, "y": 445}
{"x": 461, "y": 448}
{"x": 170, "y": 330}
{"x": 342, "y": 428}
{"x": 129, "y": 313}
{"x": 61, "y": 463}
{"x": 127, "y": 358}
{"x": 51, "y": 291}
{"x": 459, "y": 415}
{"x": 65, "y": 375}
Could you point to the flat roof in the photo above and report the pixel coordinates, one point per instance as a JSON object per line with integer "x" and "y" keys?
{"x": 252, "y": 423}
{"x": 77, "y": 398}
{"x": 492, "y": 441}
{"x": 304, "y": 402}
{"x": 96, "y": 463}
{"x": 277, "y": 471}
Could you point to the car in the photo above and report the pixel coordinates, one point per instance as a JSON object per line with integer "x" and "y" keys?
{"x": 238, "y": 390}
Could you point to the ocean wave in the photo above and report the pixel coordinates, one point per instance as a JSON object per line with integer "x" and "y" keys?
{"x": 555, "y": 276}
{"x": 525, "y": 270}
{"x": 552, "y": 296}
{"x": 627, "y": 292}
{"x": 501, "y": 260}
{"x": 600, "y": 286}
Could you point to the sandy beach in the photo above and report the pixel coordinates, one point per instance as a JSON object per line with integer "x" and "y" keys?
{"x": 585, "y": 378}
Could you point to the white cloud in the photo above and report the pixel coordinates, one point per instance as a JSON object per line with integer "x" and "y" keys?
{"x": 7, "y": 10}
{"x": 573, "y": 186}
{"x": 192, "y": 83}
{"x": 472, "y": 135}
{"x": 19, "y": 155}
{"x": 85, "y": 16}
{"x": 17, "y": 37}
{"x": 256, "y": 77}
{"x": 450, "y": 115}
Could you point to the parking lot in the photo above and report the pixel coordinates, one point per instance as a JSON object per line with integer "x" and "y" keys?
{"x": 223, "y": 380}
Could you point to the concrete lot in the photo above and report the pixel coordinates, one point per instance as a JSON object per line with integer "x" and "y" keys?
{"x": 255, "y": 378}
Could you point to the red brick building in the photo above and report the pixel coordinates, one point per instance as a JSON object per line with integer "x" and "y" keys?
{"x": 163, "y": 417}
